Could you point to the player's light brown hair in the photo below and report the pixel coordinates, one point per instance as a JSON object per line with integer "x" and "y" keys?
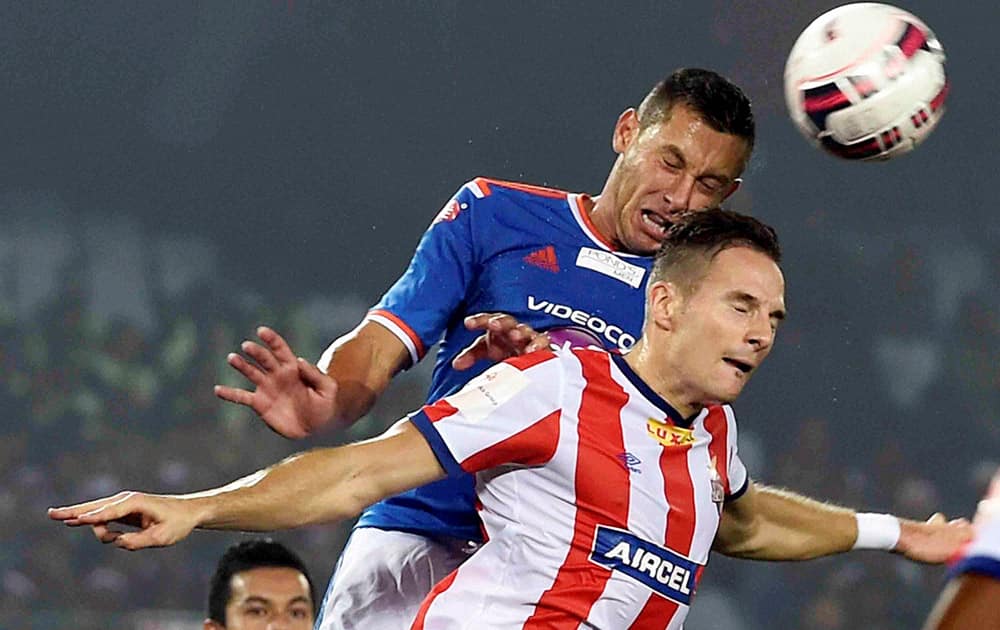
{"x": 696, "y": 238}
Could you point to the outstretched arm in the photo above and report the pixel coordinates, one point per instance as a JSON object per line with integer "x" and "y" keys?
{"x": 770, "y": 524}
{"x": 322, "y": 485}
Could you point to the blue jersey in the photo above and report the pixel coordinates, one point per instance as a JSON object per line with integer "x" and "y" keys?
{"x": 502, "y": 247}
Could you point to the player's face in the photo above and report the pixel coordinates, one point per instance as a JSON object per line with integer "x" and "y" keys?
{"x": 726, "y": 326}
{"x": 668, "y": 168}
{"x": 269, "y": 598}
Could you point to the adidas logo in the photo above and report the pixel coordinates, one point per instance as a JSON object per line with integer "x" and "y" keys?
{"x": 544, "y": 258}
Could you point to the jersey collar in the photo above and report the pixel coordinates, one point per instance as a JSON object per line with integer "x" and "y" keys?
{"x": 647, "y": 392}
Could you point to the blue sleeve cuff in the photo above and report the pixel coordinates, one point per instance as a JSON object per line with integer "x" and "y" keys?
{"x": 437, "y": 444}
{"x": 981, "y": 565}
{"x": 739, "y": 493}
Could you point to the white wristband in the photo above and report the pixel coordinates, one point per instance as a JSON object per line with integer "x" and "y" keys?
{"x": 877, "y": 531}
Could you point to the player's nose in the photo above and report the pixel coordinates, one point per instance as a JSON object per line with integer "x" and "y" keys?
{"x": 680, "y": 194}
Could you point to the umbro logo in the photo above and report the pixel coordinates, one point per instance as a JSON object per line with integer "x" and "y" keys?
{"x": 544, "y": 258}
{"x": 630, "y": 461}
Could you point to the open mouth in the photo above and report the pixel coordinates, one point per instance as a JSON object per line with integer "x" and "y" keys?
{"x": 742, "y": 366}
{"x": 655, "y": 222}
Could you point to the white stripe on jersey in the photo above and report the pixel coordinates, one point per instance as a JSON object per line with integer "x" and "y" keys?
{"x": 399, "y": 332}
{"x": 474, "y": 188}
{"x": 577, "y": 209}
{"x": 540, "y": 564}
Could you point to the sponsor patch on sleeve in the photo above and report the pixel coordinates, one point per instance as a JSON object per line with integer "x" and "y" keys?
{"x": 488, "y": 391}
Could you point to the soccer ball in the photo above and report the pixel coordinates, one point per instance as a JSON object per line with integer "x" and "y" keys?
{"x": 866, "y": 81}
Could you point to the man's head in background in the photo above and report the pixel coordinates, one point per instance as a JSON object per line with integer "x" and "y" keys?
{"x": 260, "y": 584}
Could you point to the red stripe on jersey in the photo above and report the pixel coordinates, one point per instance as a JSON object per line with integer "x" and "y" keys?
{"x": 531, "y": 359}
{"x": 602, "y": 492}
{"x": 438, "y": 410}
{"x": 440, "y": 587}
{"x": 679, "y": 490}
{"x": 414, "y": 337}
{"x": 541, "y": 191}
{"x": 717, "y": 424}
{"x": 532, "y": 446}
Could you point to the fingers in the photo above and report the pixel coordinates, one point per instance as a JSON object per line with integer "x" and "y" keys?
{"x": 937, "y": 519}
{"x": 541, "y": 341}
{"x": 263, "y": 356}
{"x": 71, "y": 514}
{"x": 494, "y": 322}
{"x": 316, "y": 378}
{"x": 244, "y": 367}
{"x": 279, "y": 347}
{"x": 472, "y": 353}
{"x": 234, "y": 394}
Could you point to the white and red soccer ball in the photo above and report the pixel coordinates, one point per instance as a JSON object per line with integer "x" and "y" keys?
{"x": 866, "y": 81}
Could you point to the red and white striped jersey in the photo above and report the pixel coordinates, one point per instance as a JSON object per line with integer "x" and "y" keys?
{"x": 600, "y": 502}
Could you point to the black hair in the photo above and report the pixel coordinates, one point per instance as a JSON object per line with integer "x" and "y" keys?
{"x": 243, "y": 556}
{"x": 718, "y": 101}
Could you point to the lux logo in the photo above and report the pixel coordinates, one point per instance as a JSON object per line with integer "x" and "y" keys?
{"x": 668, "y": 434}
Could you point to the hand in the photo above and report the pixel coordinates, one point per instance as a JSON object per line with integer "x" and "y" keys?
{"x": 504, "y": 338}
{"x": 162, "y": 520}
{"x": 292, "y": 396}
{"x": 989, "y": 508}
{"x": 933, "y": 541}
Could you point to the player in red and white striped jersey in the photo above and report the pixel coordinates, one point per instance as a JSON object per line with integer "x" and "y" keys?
{"x": 604, "y": 480}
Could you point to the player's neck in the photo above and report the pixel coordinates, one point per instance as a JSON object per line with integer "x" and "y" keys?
{"x": 650, "y": 367}
{"x": 602, "y": 217}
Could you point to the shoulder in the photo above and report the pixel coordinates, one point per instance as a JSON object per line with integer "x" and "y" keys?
{"x": 486, "y": 195}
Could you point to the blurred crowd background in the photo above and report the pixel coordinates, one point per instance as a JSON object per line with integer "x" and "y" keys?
{"x": 174, "y": 176}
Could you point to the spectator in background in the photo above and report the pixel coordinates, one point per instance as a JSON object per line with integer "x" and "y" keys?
{"x": 260, "y": 584}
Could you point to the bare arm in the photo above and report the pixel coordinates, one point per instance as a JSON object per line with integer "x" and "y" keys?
{"x": 318, "y": 486}
{"x": 771, "y": 524}
{"x": 969, "y": 601}
{"x": 296, "y": 398}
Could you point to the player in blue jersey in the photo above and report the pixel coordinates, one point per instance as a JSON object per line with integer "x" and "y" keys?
{"x": 568, "y": 264}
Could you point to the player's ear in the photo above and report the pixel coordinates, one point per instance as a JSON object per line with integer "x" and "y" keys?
{"x": 733, "y": 187}
{"x": 211, "y": 624}
{"x": 626, "y": 129}
{"x": 664, "y": 304}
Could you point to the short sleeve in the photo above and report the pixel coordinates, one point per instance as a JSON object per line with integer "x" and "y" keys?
{"x": 739, "y": 478}
{"x": 510, "y": 414}
{"x": 419, "y": 305}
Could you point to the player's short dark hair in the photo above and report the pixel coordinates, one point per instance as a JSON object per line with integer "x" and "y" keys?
{"x": 243, "y": 556}
{"x": 697, "y": 237}
{"x": 718, "y": 101}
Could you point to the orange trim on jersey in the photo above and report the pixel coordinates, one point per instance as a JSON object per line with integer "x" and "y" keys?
{"x": 541, "y": 191}
{"x": 585, "y": 217}
{"x": 419, "y": 345}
